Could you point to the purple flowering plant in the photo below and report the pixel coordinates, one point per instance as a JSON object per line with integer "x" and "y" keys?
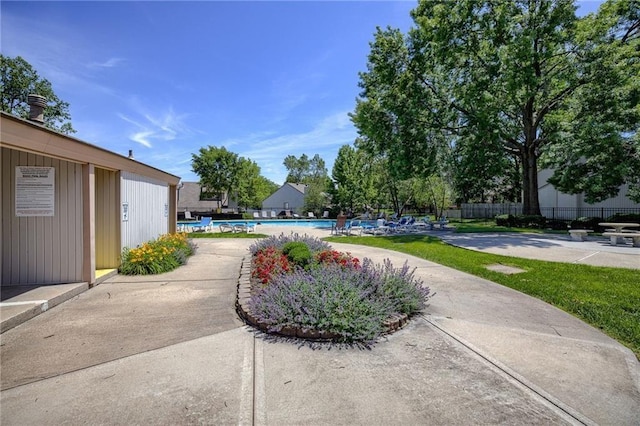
{"x": 348, "y": 302}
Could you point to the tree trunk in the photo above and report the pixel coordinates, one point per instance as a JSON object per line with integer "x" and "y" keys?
{"x": 530, "y": 201}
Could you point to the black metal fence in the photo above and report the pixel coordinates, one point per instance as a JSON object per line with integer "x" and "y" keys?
{"x": 488, "y": 211}
{"x": 571, "y": 213}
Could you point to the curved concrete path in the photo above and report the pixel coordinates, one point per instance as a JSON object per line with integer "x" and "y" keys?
{"x": 169, "y": 349}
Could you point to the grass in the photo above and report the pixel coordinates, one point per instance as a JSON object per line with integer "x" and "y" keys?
{"x": 605, "y": 297}
{"x": 225, "y": 235}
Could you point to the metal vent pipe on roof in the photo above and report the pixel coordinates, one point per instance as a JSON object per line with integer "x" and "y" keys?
{"x": 37, "y": 104}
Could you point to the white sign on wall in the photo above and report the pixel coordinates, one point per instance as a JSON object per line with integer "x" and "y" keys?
{"x": 35, "y": 191}
{"x": 125, "y": 212}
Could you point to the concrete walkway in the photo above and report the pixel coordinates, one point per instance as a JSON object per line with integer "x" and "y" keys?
{"x": 169, "y": 349}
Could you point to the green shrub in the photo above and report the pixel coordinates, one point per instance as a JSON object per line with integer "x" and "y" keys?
{"x": 297, "y": 252}
{"x": 507, "y": 220}
{"x": 530, "y": 221}
{"x": 557, "y": 225}
{"x": 624, "y": 217}
{"x": 587, "y": 223}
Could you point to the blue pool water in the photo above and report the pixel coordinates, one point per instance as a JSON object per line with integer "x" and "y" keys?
{"x": 309, "y": 223}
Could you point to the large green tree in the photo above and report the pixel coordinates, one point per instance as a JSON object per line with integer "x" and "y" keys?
{"x": 313, "y": 173}
{"x": 18, "y": 80}
{"x": 251, "y": 188}
{"x": 218, "y": 171}
{"x": 355, "y": 181}
{"x": 391, "y": 113}
{"x": 599, "y": 129}
{"x": 495, "y": 76}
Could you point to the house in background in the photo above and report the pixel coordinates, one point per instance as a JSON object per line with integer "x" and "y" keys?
{"x": 558, "y": 205}
{"x": 69, "y": 207}
{"x": 192, "y": 198}
{"x": 289, "y": 196}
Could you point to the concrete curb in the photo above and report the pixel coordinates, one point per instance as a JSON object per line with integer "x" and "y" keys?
{"x": 25, "y": 306}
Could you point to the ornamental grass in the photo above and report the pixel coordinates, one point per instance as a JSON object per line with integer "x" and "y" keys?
{"x": 332, "y": 293}
{"x": 164, "y": 254}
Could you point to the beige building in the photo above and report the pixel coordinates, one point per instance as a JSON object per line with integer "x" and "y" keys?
{"x": 69, "y": 207}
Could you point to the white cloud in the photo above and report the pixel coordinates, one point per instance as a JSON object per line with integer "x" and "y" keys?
{"x": 109, "y": 63}
{"x": 324, "y": 139}
{"x": 163, "y": 127}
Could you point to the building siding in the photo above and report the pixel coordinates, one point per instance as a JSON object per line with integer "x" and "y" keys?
{"x": 43, "y": 250}
{"x": 107, "y": 222}
{"x": 146, "y": 199}
{"x": 287, "y": 193}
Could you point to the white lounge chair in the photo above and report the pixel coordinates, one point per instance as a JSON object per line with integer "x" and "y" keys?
{"x": 226, "y": 227}
{"x": 244, "y": 227}
{"x": 325, "y": 215}
{"x": 256, "y": 215}
{"x": 312, "y": 215}
{"x": 264, "y": 214}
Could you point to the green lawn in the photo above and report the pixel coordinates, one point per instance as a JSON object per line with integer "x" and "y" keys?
{"x": 607, "y": 298}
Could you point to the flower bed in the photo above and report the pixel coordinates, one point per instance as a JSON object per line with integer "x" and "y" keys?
{"x": 155, "y": 257}
{"x": 300, "y": 287}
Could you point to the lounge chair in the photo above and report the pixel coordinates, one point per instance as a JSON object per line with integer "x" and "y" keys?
{"x": 273, "y": 214}
{"x": 423, "y": 224}
{"x": 376, "y": 227}
{"x": 325, "y": 215}
{"x": 264, "y": 214}
{"x": 203, "y": 226}
{"x": 312, "y": 215}
{"x": 443, "y": 222}
{"x": 226, "y": 227}
{"x": 187, "y": 216}
{"x": 400, "y": 225}
{"x": 244, "y": 227}
{"x": 406, "y": 224}
{"x": 339, "y": 226}
{"x": 354, "y": 226}
{"x": 256, "y": 215}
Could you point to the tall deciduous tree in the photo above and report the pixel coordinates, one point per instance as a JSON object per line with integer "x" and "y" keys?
{"x": 499, "y": 73}
{"x": 601, "y": 144}
{"x": 391, "y": 114}
{"x": 313, "y": 173}
{"x": 251, "y": 188}
{"x": 355, "y": 183}
{"x": 18, "y": 80}
{"x": 218, "y": 171}
{"x": 497, "y": 69}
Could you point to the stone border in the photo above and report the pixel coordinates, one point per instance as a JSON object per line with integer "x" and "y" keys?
{"x": 392, "y": 324}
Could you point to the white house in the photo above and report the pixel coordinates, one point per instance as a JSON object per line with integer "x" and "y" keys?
{"x": 558, "y": 205}
{"x": 289, "y": 196}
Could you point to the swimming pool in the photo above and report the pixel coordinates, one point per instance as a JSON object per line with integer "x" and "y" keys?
{"x": 309, "y": 223}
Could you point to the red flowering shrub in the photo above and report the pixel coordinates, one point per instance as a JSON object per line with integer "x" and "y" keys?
{"x": 328, "y": 257}
{"x": 269, "y": 262}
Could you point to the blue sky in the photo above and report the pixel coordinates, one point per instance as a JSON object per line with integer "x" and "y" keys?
{"x": 264, "y": 79}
